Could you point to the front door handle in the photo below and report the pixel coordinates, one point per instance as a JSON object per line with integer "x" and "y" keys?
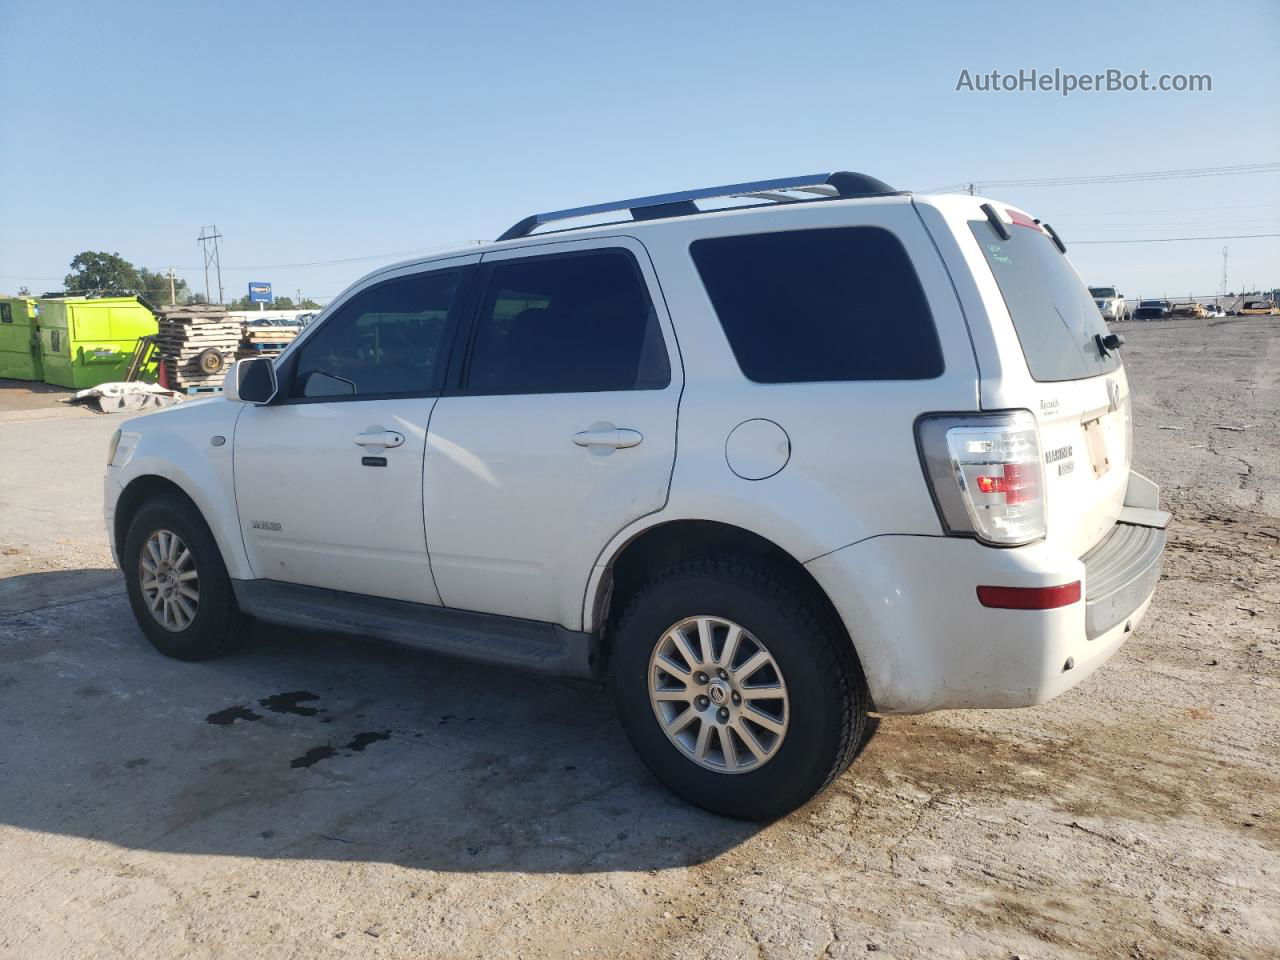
{"x": 375, "y": 436}
{"x": 603, "y": 438}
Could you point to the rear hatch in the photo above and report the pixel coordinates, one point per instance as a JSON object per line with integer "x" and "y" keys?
{"x": 1075, "y": 383}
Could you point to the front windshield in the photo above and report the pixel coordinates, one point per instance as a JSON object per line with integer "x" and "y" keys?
{"x": 1105, "y": 293}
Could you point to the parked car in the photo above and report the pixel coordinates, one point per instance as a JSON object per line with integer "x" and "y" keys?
{"x": 682, "y": 452}
{"x": 1110, "y": 303}
{"x": 1258, "y": 308}
{"x": 1213, "y": 310}
{"x": 1192, "y": 309}
{"x": 1151, "y": 310}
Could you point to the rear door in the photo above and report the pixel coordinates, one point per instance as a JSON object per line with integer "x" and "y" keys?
{"x": 561, "y": 431}
{"x": 1074, "y": 383}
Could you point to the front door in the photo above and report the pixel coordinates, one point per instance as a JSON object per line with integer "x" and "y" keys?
{"x": 328, "y": 477}
{"x": 561, "y": 432}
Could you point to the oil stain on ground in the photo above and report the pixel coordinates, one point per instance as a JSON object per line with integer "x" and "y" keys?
{"x": 356, "y": 745}
{"x": 313, "y": 756}
{"x": 224, "y": 718}
{"x": 291, "y": 703}
{"x": 362, "y": 740}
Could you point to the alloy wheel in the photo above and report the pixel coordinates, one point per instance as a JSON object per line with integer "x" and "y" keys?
{"x": 169, "y": 580}
{"x": 718, "y": 694}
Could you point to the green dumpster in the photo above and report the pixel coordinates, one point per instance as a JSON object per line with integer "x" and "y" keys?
{"x": 20, "y": 339}
{"x": 87, "y": 341}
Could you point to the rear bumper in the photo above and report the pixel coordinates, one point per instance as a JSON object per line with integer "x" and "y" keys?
{"x": 1120, "y": 573}
{"x": 926, "y": 643}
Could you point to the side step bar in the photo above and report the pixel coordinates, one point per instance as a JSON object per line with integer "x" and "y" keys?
{"x": 528, "y": 645}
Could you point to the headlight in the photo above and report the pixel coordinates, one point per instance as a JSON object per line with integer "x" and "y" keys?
{"x": 111, "y": 447}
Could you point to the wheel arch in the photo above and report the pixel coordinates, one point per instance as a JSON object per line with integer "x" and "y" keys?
{"x": 146, "y": 487}
{"x": 663, "y": 545}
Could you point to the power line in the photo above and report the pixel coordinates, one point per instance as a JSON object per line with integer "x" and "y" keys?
{"x": 1236, "y": 236}
{"x": 1117, "y": 213}
{"x": 419, "y": 251}
{"x": 1169, "y": 223}
{"x": 1181, "y": 174}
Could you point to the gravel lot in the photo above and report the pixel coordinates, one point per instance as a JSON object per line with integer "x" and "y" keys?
{"x": 318, "y": 796}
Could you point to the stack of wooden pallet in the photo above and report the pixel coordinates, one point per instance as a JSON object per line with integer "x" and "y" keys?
{"x": 197, "y": 343}
{"x": 264, "y": 341}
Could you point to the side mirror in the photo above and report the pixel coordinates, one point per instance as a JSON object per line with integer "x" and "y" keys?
{"x": 251, "y": 381}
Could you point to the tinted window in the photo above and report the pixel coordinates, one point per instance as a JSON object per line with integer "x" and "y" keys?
{"x": 6, "y": 313}
{"x": 567, "y": 324}
{"x": 808, "y": 305}
{"x": 1052, "y": 311}
{"x": 390, "y": 339}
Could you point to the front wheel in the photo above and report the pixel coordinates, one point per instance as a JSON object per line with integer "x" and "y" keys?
{"x": 178, "y": 585}
{"x": 736, "y": 692}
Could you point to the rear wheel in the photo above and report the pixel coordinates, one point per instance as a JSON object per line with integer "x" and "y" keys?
{"x": 734, "y": 690}
{"x": 178, "y": 585}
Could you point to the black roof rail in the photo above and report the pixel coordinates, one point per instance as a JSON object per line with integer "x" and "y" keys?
{"x": 839, "y": 185}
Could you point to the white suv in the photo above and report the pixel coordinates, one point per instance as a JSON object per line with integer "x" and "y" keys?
{"x": 1110, "y": 303}
{"x": 833, "y": 448}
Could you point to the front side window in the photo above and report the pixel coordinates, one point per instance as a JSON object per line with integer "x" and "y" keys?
{"x": 833, "y": 304}
{"x": 1056, "y": 320}
{"x": 567, "y": 323}
{"x": 389, "y": 340}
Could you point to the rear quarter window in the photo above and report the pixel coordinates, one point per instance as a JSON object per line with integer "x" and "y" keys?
{"x": 834, "y": 304}
{"x": 1055, "y": 317}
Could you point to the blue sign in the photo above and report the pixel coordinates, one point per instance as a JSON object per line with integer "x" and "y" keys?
{"x": 260, "y": 293}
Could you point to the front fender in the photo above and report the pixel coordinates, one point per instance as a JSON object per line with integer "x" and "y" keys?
{"x": 178, "y": 444}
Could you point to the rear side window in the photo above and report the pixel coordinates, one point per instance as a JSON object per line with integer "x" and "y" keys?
{"x": 389, "y": 340}
{"x": 567, "y": 323}
{"x": 1052, "y": 311}
{"x": 811, "y": 305}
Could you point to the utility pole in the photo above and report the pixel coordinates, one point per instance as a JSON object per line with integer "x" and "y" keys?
{"x": 208, "y": 240}
{"x": 173, "y": 297}
{"x": 971, "y": 189}
{"x": 1224, "y": 270}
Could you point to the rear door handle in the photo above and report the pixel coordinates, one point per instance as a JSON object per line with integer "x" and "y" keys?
{"x": 377, "y": 437}
{"x": 603, "y": 438}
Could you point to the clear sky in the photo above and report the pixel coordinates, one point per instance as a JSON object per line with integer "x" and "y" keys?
{"x": 316, "y": 131}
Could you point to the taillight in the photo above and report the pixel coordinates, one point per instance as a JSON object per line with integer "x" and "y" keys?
{"x": 986, "y": 474}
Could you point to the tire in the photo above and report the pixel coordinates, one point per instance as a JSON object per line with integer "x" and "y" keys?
{"x": 826, "y": 697}
{"x": 214, "y": 625}
{"x": 210, "y": 361}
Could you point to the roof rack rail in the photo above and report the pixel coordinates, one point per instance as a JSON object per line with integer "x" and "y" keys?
{"x": 841, "y": 184}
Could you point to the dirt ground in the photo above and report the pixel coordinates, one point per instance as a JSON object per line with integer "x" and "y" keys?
{"x": 318, "y": 796}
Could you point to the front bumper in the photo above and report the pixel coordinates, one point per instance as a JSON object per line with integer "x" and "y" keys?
{"x": 111, "y": 491}
{"x": 926, "y": 643}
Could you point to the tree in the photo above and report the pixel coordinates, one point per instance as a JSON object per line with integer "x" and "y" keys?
{"x": 155, "y": 286}
{"x": 99, "y": 273}
{"x": 24, "y": 291}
